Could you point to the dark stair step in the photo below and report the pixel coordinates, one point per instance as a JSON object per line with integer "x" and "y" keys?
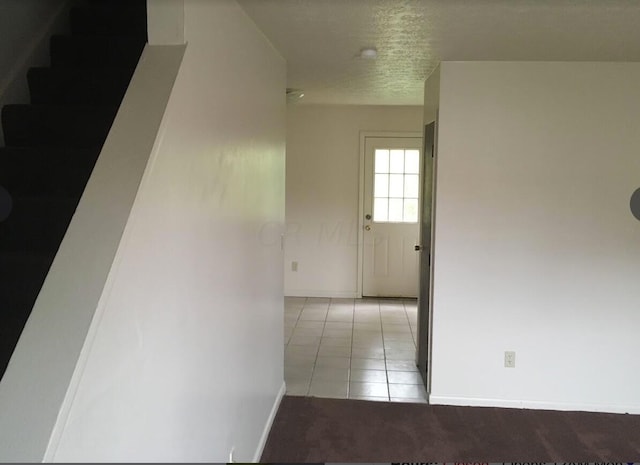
{"x": 78, "y": 86}
{"x": 56, "y": 126}
{"x": 22, "y": 277}
{"x": 96, "y": 51}
{"x": 36, "y": 224}
{"x": 110, "y": 19}
{"x": 41, "y": 170}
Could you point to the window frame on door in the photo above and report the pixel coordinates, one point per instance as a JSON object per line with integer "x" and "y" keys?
{"x": 361, "y": 182}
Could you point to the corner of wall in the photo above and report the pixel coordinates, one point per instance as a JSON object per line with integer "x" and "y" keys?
{"x": 165, "y": 22}
{"x": 432, "y": 95}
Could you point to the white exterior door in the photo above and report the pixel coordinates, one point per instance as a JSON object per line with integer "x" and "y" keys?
{"x": 391, "y": 214}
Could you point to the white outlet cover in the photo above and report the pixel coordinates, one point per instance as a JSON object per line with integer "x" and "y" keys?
{"x": 509, "y": 359}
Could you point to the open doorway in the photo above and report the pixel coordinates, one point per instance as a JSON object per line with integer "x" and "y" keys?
{"x": 337, "y": 344}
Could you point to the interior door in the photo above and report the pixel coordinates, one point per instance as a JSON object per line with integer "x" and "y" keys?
{"x": 391, "y": 215}
{"x": 424, "y": 319}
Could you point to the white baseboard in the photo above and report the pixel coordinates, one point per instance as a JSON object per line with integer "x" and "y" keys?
{"x": 317, "y": 293}
{"x": 267, "y": 426}
{"x": 534, "y": 404}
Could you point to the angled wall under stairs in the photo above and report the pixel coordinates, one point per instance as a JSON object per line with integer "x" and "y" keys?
{"x": 52, "y": 145}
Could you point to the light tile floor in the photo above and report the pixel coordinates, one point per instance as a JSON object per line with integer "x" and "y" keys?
{"x": 352, "y": 349}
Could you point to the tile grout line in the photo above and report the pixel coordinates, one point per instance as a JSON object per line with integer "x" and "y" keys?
{"x": 315, "y": 360}
{"x": 296, "y": 327}
{"x": 406, "y": 315}
{"x": 411, "y": 330}
{"x": 313, "y": 367}
{"x": 384, "y": 352}
{"x": 413, "y": 334}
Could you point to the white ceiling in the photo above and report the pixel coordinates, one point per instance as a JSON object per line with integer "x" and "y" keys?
{"x": 320, "y": 39}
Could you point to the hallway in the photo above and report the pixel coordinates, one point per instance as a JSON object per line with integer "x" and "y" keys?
{"x": 352, "y": 349}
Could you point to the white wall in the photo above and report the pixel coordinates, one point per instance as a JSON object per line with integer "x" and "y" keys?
{"x": 323, "y": 157}
{"x": 184, "y": 361}
{"x": 165, "y": 22}
{"x": 26, "y": 26}
{"x": 536, "y": 250}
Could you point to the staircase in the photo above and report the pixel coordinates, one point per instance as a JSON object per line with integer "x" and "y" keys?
{"x": 53, "y": 143}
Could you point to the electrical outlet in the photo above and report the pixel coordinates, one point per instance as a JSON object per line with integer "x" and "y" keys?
{"x": 294, "y": 266}
{"x": 509, "y": 359}
{"x": 231, "y": 458}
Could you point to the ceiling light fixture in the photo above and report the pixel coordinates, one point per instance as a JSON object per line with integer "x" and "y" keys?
{"x": 369, "y": 53}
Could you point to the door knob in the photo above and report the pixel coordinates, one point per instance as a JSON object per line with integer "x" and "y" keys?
{"x": 417, "y": 248}
{"x": 367, "y": 216}
{"x": 367, "y": 227}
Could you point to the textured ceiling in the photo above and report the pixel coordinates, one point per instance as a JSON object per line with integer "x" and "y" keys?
{"x": 321, "y": 39}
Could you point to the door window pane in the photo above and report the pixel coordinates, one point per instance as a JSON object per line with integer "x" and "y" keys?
{"x": 410, "y": 211}
{"x": 382, "y": 161}
{"x": 396, "y": 185}
{"x": 396, "y": 211}
{"x": 412, "y": 161}
{"x": 381, "y": 186}
{"x": 411, "y": 186}
{"x": 381, "y": 210}
{"x": 396, "y": 161}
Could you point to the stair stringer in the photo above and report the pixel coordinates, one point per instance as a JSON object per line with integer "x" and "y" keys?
{"x": 38, "y": 385}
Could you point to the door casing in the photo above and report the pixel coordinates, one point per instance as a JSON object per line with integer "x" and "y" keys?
{"x": 425, "y": 293}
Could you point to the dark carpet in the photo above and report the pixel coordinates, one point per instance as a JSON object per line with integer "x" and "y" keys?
{"x": 310, "y": 429}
